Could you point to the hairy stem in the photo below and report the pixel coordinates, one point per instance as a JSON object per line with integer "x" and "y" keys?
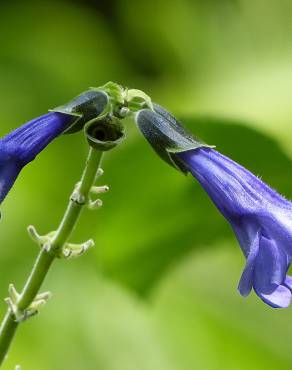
{"x": 45, "y": 258}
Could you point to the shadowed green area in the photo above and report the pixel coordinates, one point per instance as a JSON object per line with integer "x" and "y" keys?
{"x": 158, "y": 292}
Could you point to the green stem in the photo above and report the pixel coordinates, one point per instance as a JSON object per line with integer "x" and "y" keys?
{"x": 45, "y": 259}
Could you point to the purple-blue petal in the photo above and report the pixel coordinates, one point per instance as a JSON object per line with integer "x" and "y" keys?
{"x": 288, "y": 282}
{"x": 271, "y": 265}
{"x": 9, "y": 171}
{"x": 239, "y": 190}
{"x": 260, "y": 217}
{"x": 279, "y": 297}
{"x": 23, "y": 144}
{"x": 246, "y": 280}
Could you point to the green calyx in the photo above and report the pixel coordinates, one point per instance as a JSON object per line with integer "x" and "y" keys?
{"x": 167, "y": 136}
{"x": 105, "y": 133}
{"x": 100, "y": 110}
{"x": 109, "y": 100}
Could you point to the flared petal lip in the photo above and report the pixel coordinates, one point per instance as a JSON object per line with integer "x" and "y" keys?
{"x": 260, "y": 217}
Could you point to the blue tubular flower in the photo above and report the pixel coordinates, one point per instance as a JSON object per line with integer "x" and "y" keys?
{"x": 259, "y": 216}
{"x": 22, "y": 145}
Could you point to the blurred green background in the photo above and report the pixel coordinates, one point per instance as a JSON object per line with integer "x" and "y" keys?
{"x": 159, "y": 290}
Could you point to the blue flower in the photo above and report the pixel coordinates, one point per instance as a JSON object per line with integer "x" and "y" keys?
{"x": 259, "y": 216}
{"x": 22, "y": 145}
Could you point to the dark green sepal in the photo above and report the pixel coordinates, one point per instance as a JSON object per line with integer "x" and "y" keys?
{"x": 166, "y": 135}
{"x": 104, "y": 133}
{"x": 85, "y": 107}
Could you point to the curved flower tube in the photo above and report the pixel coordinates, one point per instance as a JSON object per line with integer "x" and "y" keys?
{"x": 22, "y": 145}
{"x": 259, "y": 216}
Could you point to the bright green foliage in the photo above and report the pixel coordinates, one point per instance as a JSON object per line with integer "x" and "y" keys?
{"x": 147, "y": 296}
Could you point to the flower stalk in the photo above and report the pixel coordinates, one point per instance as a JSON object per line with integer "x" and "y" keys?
{"x": 98, "y": 112}
{"x": 28, "y": 302}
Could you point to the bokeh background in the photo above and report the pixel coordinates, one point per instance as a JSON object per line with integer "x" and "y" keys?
{"x": 159, "y": 290}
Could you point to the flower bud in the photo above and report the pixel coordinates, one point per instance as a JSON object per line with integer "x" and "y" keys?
{"x": 105, "y": 133}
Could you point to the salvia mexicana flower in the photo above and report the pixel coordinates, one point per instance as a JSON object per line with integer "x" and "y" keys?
{"x": 259, "y": 216}
{"x": 22, "y": 145}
